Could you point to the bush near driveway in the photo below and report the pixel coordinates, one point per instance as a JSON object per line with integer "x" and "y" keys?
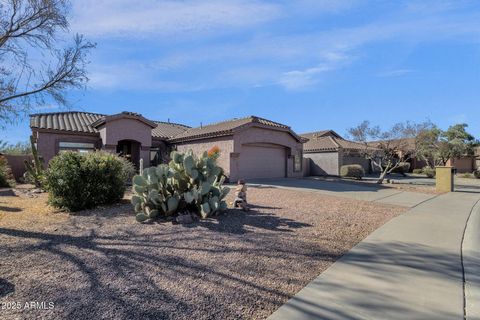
{"x": 429, "y": 172}
{"x": 6, "y": 177}
{"x": 352, "y": 171}
{"x": 83, "y": 181}
{"x": 403, "y": 168}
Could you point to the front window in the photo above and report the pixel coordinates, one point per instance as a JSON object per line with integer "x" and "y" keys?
{"x": 76, "y": 146}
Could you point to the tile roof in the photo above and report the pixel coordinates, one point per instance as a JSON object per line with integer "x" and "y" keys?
{"x": 72, "y": 121}
{"x": 321, "y": 133}
{"x": 317, "y": 142}
{"x": 75, "y": 121}
{"x": 227, "y": 128}
{"x": 168, "y": 130}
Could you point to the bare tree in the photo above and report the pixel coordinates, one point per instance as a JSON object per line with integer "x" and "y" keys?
{"x": 387, "y": 150}
{"x": 36, "y": 65}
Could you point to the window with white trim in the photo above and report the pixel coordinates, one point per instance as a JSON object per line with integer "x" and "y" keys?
{"x": 82, "y": 147}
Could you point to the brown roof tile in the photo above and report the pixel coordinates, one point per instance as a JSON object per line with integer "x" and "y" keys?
{"x": 225, "y": 128}
{"x": 166, "y": 130}
{"x": 321, "y": 133}
{"x": 76, "y": 121}
{"x": 325, "y": 141}
{"x": 72, "y": 121}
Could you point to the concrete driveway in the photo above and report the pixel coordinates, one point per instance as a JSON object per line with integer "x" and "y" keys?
{"x": 421, "y": 265}
{"x": 371, "y": 192}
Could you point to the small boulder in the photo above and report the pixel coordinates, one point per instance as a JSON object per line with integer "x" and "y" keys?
{"x": 184, "y": 219}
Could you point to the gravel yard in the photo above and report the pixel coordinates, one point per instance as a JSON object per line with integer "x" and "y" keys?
{"x": 103, "y": 264}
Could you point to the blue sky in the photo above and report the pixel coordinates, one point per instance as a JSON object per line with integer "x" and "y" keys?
{"x": 311, "y": 64}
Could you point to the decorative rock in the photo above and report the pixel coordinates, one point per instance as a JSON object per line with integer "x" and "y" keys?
{"x": 184, "y": 219}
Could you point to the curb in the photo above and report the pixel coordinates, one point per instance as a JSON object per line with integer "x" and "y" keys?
{"x": 471, "y": 264}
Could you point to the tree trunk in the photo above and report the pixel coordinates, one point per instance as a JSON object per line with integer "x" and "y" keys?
{"x": 384, "y": 174}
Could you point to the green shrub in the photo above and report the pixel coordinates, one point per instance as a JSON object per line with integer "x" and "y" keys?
{"x": 129, "y": 169}
{"x": 83, "y": 181}
{"x": 466, "y": 175}
{"x": 418, "y": 171}
{"x": 187, "y": 183}
{"x": 352, "y": 171}
{"x": 477, "y": 174}
{"x": 429, "y": 172}
{"x": 402, "y": 168}
{"x": 6, "y": 176}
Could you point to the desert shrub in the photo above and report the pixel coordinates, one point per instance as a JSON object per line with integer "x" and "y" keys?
{"x": 418, "y": 171}
{"x": 352, "y": 171}
{"x": 429, "y": 172}
{"x": 129, "y": 170}
{"x": 467, "y": 175}
{"x": 35, "y": 170}
{"x": 83, "y": 181}
{"x": 402, "y": 168}
{"x": 6, "y": 176}
{"x": 187, "y": 183}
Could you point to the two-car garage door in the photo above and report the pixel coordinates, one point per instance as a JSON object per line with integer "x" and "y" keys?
{"x": 262, "y": 162}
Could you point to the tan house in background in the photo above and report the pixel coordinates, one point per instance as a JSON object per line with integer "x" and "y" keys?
{"x": 327, "y": 152}
{"x": 250, "y": 147}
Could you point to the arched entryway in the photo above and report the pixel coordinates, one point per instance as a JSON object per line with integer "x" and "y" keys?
{"x": 129, "y": 149}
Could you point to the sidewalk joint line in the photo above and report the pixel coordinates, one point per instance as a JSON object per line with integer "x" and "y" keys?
{"x": 390, "y": 195}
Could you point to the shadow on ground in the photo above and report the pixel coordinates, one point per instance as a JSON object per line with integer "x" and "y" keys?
{"x": 6, "y": 288}
{"x": 156, "y": 274}
{"x": 320, "y": 183}
{"x": 350, "y": 298}
{"x": 10, "y": 209}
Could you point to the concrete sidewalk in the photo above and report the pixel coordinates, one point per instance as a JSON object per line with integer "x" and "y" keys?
{"x": 374, "y": 193}
{"x": 411, "y": 268}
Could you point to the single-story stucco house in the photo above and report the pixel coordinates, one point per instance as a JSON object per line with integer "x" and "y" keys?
{"x": 251, "y": 147}
{"x": 328, "y": 152}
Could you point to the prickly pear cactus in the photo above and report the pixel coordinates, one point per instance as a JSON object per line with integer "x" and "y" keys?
{"x": 187, "y": 182}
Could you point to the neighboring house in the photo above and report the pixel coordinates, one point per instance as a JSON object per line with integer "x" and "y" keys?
{"x": 328, "y": 151}
{"x": 407, "y": 146}
{"x": 406, "y": 149}
{"x": 464, "y": 164}
{"x": 251, "y": 147}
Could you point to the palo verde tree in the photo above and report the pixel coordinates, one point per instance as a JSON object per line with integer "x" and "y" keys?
{"x": 389, "y": 149}
{"x": 436, "y": 146}
{"x": 36, "y": 64}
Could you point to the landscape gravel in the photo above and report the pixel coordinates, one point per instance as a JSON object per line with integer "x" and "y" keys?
{"x": 102, "y": 264}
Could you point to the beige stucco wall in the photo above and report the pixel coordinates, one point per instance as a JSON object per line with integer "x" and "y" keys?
{"x": 324, "y": 163}
{"x": 48, "y": 142}
{"x": 347, "y": 158}
{"x": 199, "y": 146}
{"x": 462, "y": 165}
{"x": 127, "y": 129}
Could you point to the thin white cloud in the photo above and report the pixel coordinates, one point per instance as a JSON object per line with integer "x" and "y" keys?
{"x": 139, "y": 19}
{"x": 303, "y": 79}
{"x": 259, "y": 57}
{"x": 395, "y": 73}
